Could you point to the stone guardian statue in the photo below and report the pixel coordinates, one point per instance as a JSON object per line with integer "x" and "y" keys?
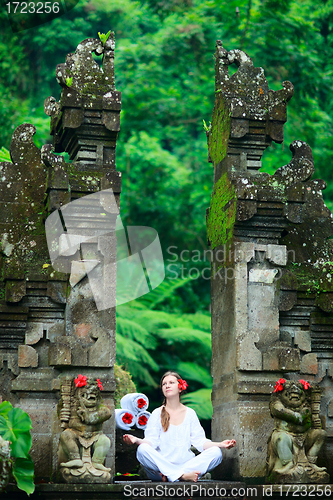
{"x": 83, "y": 446}
{"x": 298, "y": 437}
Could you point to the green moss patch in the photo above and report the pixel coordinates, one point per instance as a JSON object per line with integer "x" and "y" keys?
{"x": 220, "y": 130}
{"x": 222, "y": 213}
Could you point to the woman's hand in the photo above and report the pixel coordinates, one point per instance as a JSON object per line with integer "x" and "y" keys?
{"x": 228, "y": 443}
{"x": 129, "y": 439}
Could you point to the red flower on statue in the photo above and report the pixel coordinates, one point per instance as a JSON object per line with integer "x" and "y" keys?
{"x": 182, "y": 384}
{"x": 142, "y": 420}
{"x": 305, "y": 384}
{"x": 99, "y": 384}
{"x": 127, "y": 418}
{"x": 141, "y": 403}
{"x": 279, "y": 385}
{"x": 80, "y": 381}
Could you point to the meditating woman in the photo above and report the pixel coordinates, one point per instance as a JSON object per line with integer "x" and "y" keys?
{"x": 165, "y": 451}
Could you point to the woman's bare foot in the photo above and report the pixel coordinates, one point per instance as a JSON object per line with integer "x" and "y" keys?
{"x": 164, "y": 478}
{"x": 190, "y": 476}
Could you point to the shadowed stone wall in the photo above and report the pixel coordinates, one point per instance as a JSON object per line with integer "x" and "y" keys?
{"x": 50, "y": 326}
{"x": 272, "y": 290}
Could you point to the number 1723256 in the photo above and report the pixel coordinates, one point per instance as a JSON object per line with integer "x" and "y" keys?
{"x": 32, "y": 7}
{"x": 306, "y": 490}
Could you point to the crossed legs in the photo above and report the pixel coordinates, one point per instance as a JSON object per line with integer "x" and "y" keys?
{"x": 157, "y": 466}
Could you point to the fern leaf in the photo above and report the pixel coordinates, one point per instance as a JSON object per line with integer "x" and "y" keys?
{"x": 162, "y": 292}
{"x": 155, "y": 320}
{"x": 133, "y": 330}
{"x": 200, "y": 321}
{"x": 193, "y": 371}
{"x": 200, "y": 401}
{"x": 186, "y": 336}
{"x": 130, "y": 350}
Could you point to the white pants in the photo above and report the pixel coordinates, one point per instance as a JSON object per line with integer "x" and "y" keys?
{"x": 155, "y": 464}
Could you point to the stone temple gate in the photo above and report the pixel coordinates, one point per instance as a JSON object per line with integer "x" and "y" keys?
{"x": 50, "y": 326}
{"x": 272, "y": 272}
{"x": 272, "y": 289}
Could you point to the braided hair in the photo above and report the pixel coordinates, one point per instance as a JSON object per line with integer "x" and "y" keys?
{"x": 165, "y": 417}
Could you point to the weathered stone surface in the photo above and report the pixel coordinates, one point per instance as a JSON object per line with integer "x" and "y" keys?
{"x": 288, "y": 299}
{"x": 330, "y": 408}
{"x": 5, "y": 463}
{"x": 289, "y": 360}
{"x": 303, "y": 340}
{"x": 272, "y": 306}
{"x": 43, "y": 323}
{"x": 15, "y": 290}
{"x": 27, "y": 357}
{"x": 33, "y": 381}
{"x": 309, "y": 364}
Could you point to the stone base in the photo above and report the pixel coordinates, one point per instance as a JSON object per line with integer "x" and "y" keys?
{"x": 302, "y": 473}
{"x": 201, "y": 489}
{"x": 86, "y": 474}
{"x": 245, "y": 490}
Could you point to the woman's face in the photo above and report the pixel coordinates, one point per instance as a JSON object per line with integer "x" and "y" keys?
{"x": 170, "y": 386}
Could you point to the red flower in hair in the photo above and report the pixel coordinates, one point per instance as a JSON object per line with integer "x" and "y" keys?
{"x": 141, "y": 403}
{"x": 80, "y": 381}
{"x": 127, "y": 418}
{"x": 182, "y": 384}
{"x": 142, "y": 420}
{"x": 99, "y": 384}
{"x": 279, "y": 385}
{"x": 305, "y": 384}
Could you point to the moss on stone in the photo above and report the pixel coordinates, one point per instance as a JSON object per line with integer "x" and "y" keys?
{"x": 124, "y": 384}
{"x": 311, "y": 278}
{"x": 83, "y": 178}
{"x": 220, "y": 130}
{"x": 222, "y": 213}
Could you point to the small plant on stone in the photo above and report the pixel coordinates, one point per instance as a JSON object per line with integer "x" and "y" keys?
{"x": 4, "y": 155}
{"x": 103, "y": 37}
{"x": 207, "y": 129}
{"x": 15, "y": 426}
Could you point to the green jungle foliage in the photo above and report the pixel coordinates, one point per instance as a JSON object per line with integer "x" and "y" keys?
{"x": 15, "y": 426}
{"x": 151, "y": 340}
{"x": 165, "y": 70}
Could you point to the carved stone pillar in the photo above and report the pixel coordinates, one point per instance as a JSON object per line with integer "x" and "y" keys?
{"x": 271, "y": 271}
{"x": 55, "y": 322}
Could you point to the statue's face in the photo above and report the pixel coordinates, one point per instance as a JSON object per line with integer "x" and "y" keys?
{"x": 293, "y": 395}
{"x": 88, "y": 396}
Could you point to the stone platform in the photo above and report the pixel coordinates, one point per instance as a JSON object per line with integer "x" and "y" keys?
{"x": 131, "y": 489}
{"x": 215, "y": 490}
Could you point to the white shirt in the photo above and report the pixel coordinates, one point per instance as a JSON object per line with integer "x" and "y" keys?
{"x": 175, "y": 443}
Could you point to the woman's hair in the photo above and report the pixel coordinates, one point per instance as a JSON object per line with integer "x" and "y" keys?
{"x": 165, "y": 417}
